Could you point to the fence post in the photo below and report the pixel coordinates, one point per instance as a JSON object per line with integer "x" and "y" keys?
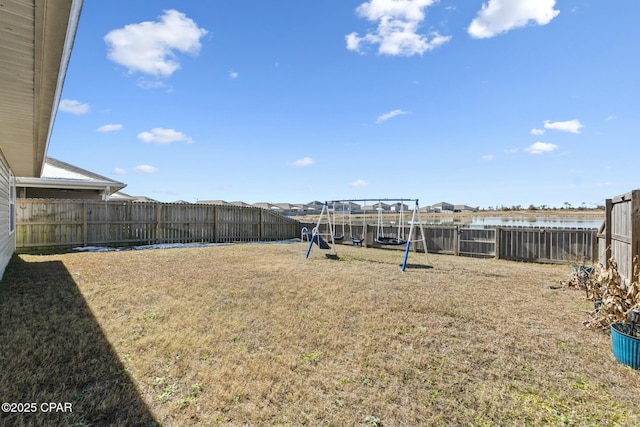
{"x": 215, "y": 223}
{"x": 84, "y": 223}
{"x": 497, "y": 244}
{"x": 158, "y": 222}
{"x": 456, "y": 240}
{"x": 261, "y": 232}
{"x": 635, "y": 227}
{"x": 607, "y": 229}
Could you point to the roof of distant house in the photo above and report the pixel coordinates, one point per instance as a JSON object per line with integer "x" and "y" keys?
{"x": 59, "y": 174}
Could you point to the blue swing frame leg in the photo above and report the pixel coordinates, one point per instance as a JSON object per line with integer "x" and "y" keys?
{"x": 406, "y": 256}
{"x": 311, "y": 242}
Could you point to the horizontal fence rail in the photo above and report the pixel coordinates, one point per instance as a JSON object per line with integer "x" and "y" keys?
{"x": 532, "y": 244}
{"x": 44, "y": 223}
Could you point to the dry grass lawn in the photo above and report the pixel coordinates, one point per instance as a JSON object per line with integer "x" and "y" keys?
{"x": 257, "y": 335}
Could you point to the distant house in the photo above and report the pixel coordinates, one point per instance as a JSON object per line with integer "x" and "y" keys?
{"x": 353, "y": 207}
{"x": 223, "y": 203}
{"x": 213, "y": 202}
{"x": 122, "y": 197}
{"x": 284, "y": 207}
{"x": 427, "y": 209}
{"x": 61, "y": 180}
{"x": 380, "y": 206}
{"x": 443, "y": 207}
{"x": 398, "y": 207}
{"x": 463, "y": 208}
{"x": 298, "y": 209}
{"x": 291, "y": 208}
{"x": 238, "y": 203}
{"x": 266, "y": 205}
{"x": 314, "y": 207}
{"x": 281, "y": 208}
{"x": 340, "y": 207}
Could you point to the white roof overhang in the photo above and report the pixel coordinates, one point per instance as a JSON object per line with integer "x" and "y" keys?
{"x": 69, "y": 184}
{"x": 36, "y": 38}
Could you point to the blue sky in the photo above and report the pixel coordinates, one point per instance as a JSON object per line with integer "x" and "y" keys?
{"x": 484, "y": 103}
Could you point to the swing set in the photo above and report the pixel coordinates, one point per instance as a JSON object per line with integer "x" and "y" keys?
{"x": 337, "y": 237}
{"x": 357, "y": 241}
{"x": 382, "y": 238}
{"x": 321, "y": 236}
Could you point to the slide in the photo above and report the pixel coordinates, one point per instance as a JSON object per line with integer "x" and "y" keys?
{"x": 321, "y": 242}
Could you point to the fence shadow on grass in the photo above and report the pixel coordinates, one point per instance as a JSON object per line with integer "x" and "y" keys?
{"x": 53, "y": 350}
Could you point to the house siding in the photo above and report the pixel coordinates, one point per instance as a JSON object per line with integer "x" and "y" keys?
{"x": 7, "y": 236}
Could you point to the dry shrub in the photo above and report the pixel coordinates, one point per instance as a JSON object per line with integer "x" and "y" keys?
{"x": 604, "y": 286}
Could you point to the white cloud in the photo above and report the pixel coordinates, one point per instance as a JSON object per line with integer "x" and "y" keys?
{"x": 149, "y": 47}
{"x": 572, "y": 126}
{"x": 152, "y": 84}
{"x": 146, "y": 169}
{"x": 500, "y": 16}
{"x": 610, "y": 117}
{"x": 74, "y": 107}
{"x": 536, "y": 131}
{"x": 397, "y": 31}
{"x": 305, "y": 161}
{"x": 119, "y": 171}
{"x": 163, "y": 136}
{"x": 541, "y": 148}
{"x": 109, "y": 128}
{"x": 487, "y": 157}
{"x": 358, "y": 183}
{"x": 390, "y": 115}
{"x": 233, "y": 75}
{"x": 511, "y": 150}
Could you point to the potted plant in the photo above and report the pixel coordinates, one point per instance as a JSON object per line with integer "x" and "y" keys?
{"x": 625, "y": 339}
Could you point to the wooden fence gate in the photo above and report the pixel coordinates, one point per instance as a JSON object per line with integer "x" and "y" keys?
{"x": 619, "y": 236}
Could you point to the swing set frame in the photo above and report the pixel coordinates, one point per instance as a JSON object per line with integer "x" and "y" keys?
{"x": 322, "y": 239}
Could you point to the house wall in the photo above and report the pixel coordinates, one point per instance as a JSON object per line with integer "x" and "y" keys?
{"x": 7, "y": 214}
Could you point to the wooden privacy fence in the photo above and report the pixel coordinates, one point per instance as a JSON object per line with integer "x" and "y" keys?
{"x": 533, "y": 244}
{"x": 619, "y": 236}
{"x": 44, "y": 223}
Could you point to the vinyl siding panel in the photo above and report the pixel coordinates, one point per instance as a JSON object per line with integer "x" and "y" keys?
{"x": 7, "y": 236}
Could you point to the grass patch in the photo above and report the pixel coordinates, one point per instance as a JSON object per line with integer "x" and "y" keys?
{"x": 311, "y": 357}
{"x": 257, "y": 335}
